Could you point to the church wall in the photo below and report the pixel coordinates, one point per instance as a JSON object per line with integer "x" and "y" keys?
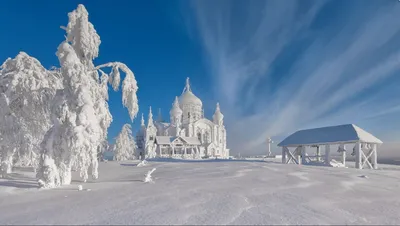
{"x": 191, "y": 113}
{"x": 205, "y": 131}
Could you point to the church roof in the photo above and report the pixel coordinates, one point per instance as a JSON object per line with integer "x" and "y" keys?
{"x": 218, "y": 116}
{"x": 348, "y": 133}
{"x": 169, "y": 139}
{"x": 188, "y": 97}
{"x": 162, "y": 124}
{"x": 163, "y": 139}
{"x": 175, "y": 110}
{"x": 192, "y": 140}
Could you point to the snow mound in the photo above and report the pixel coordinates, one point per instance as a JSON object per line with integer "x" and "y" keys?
{"x": 335, "y": 163}
{"x": 142, "y": 163}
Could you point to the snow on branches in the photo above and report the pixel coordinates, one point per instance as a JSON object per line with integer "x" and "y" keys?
{"x": 26, "y": 89}
{"x": 129, "y": 86}
{"x": 148, "y": 178}
{"x": 80, "y": 113}
{"x": 125, "y": 145}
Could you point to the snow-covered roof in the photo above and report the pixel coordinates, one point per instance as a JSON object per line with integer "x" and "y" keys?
{"x": 348, "y": 133}
{"x": 165, "y": 124}
{"x": 169, "y": 139}
{"x": 192, "y": 140}
{"x": 163, "y": 139}
{"x": 161, "y": 125}
{"x": 188, "y": 97}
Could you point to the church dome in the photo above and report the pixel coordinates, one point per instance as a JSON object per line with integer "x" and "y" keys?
{"x": 188, "y": 98}
{"x": 218, "y": 116}
{"x": 175, "y": 110}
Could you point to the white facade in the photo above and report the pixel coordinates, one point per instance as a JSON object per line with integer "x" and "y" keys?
{"x": 188, "y": 134}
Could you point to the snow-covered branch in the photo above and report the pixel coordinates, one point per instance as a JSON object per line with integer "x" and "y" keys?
{"x": 80, "y": 113}
{"x": 129, "y": 86}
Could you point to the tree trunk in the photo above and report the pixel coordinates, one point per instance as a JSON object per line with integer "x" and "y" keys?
{"x": 7, "y": 162}
{"x": 95, "y": 171}
{"x": 65, "y": 173}
{"x": 48, "y": 174}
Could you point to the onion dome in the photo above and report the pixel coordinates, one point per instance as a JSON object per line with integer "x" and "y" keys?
{"x": 218, "y": 116}
{"x": 187, "y": 97}
{"x": 175, "y": 110}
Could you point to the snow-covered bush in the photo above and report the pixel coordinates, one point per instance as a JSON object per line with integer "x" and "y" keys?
{"x": 125, "y": 145}
{"x": 80, "y": 113}
{"x": 26, "y": 89}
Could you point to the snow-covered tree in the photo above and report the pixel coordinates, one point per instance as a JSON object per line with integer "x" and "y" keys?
{"x": 26, "y": 89}
{"x": 102, "y": 148}
{"x": 80, "y": 112}
{"x": 125, "y": 145}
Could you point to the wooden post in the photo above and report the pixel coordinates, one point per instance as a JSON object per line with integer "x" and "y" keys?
{"x": 269, "y": 142}
{"x": 297, "y": 154}
{"x": 284, "y": 155}
{"x": 303, "y": 155}
{"x": 374, "y": 157}
{"x": 344, "y": 157}
{"x": 358, "y": 156}
{"x": 327, "y": 154}
{"x": 318, "y": 154}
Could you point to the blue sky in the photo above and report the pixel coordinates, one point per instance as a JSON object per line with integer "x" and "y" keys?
{"x": 274, "y": 66}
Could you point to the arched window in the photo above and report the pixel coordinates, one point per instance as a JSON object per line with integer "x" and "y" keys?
{"x": 199, "y": 136}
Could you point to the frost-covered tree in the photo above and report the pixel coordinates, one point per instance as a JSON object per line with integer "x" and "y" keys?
{"x": 8, "y": 127}
{"x": 125, "y": 145}
{"x": 80, "y": 112}
{"x": 26, "y": 89}
{"x": 101, "y": 149}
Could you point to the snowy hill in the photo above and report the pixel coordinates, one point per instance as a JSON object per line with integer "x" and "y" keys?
{"x": 208, "y": 192}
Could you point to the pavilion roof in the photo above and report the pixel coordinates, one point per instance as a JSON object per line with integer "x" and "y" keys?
{"x": 348, "y": 133}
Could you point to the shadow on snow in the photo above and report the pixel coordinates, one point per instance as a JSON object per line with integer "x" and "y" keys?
{"x": 18, "y": 181}
{"x": 201, "y": 160}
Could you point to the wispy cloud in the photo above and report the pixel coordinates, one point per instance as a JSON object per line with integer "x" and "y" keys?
{"x": 284, "y": 65}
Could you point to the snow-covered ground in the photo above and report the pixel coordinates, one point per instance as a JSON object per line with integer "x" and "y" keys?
{"x": 209, "y": 192}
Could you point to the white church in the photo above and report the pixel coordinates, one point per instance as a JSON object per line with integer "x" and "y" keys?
{"x": 188, "y": 135}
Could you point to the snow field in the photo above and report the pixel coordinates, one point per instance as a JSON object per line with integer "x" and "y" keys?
{"x": 210, "y": 192}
